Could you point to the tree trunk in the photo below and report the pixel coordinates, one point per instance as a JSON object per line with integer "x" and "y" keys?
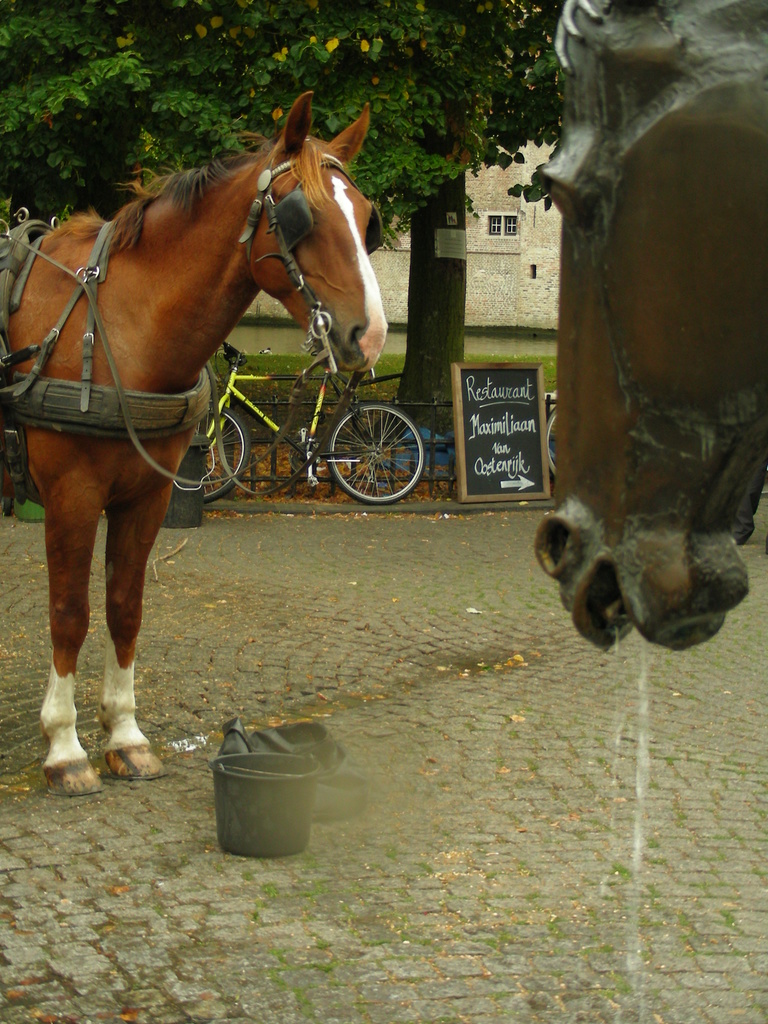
{"x": 437, "y": 288}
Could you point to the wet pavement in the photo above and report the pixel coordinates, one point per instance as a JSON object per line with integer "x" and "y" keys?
{"x": 553, "y": 833}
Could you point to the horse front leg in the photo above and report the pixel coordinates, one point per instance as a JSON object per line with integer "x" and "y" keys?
{"x": 69, "y": 540}
{"x": 131, "y": 534}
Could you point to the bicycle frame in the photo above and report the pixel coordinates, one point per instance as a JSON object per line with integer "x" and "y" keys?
{"x": 307, "y": 434}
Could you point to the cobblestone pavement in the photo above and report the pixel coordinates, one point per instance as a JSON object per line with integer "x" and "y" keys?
{"x": 553, "y": 834}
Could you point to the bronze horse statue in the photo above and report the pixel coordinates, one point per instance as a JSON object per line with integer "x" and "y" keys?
{"x": 662, "y": 180}
{"x": 185, "y": 260}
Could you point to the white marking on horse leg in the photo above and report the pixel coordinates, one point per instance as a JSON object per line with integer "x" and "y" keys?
{"x": 373, "y": 340}
{"x": 58, "y": 718}
{"x": 117, "y": 706}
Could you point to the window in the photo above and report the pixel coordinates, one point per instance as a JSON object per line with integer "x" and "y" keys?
{"x": 502, "y": 225}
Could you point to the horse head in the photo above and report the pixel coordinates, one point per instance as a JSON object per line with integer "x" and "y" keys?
{"x": 663, "y": 361}
{"x": 309, "y": 237}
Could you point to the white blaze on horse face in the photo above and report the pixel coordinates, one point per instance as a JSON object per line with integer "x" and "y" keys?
{"x": 58, "y": 719}
{"x": 375, "y": 335}
{"x": 117, "y": 708}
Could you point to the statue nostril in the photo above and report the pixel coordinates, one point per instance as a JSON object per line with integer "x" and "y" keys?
{"x": 599, "y": 612}
{"x": 556, "y": 542}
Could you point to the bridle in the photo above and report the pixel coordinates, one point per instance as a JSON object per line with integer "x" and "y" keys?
{"x": 290, "y": 220}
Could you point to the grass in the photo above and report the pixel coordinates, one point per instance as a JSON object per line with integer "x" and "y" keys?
{"x": 291, "y": 365}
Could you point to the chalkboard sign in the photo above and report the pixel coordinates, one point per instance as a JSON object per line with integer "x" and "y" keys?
{"x": 500, "y": 422}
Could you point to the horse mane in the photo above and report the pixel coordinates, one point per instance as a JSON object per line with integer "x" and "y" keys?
{"x": 182, "y": 189}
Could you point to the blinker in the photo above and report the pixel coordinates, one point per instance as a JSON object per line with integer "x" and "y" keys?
{"x": 294, "y": 218}
{"x": 292, "y": 214}
{"x": 374, "y": 233}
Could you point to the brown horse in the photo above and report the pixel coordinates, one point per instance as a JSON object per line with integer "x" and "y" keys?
{"x": 185, "y": 261}
{"x": 663, "y": 347}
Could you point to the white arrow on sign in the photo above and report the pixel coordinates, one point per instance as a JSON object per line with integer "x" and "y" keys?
{"x": 519, "y": 484}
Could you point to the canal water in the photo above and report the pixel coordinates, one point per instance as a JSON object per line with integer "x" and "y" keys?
{"x": 287, "y": 340}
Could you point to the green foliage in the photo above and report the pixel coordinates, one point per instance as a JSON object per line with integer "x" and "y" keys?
{"x": 104, "y": 88}
{"x": 290, "y": 366}
{"x": 99, "y": 91}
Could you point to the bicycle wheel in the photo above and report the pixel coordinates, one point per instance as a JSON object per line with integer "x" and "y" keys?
{"x": 236, "y": 438}
{"x": 376, "y": 453}
{"x": 552, "y": 441}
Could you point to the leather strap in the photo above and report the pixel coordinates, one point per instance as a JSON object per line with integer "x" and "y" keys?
{"x": 93, "y": 272}
{"x": 87, "y": 373}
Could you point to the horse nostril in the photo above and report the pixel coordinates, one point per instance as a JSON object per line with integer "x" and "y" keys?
{"x": 356, "y": 335}
{"x": 557, "y": 543}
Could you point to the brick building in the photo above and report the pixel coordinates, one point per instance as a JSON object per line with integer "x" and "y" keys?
{"x": 513, "y": 257}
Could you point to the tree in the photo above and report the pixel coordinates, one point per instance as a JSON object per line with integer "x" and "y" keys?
{"x": 453, "y": 84}
{"x": 108, "y": 87}
{"x": 103, "y": 88}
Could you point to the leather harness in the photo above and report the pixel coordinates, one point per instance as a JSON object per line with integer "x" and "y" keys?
{"x": 71, "y": 406}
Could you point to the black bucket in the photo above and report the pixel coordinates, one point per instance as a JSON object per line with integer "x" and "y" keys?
{"x": 264, "y": 802}
{"x": 185, "y": 510}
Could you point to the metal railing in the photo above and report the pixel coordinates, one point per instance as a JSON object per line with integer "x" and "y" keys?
{"x": 439, "y": 475}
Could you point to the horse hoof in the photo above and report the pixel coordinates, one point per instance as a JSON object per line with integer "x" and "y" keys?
{"x": 77, "y": 779}
{"x": 134, "y": 763}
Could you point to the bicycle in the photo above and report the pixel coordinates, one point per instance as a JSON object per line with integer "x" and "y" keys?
{"x": 552, "y": 432}
{"x": 375, "y": 453}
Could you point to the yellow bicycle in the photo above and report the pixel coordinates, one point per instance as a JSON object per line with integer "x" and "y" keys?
{"x": 375, "y": 453}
